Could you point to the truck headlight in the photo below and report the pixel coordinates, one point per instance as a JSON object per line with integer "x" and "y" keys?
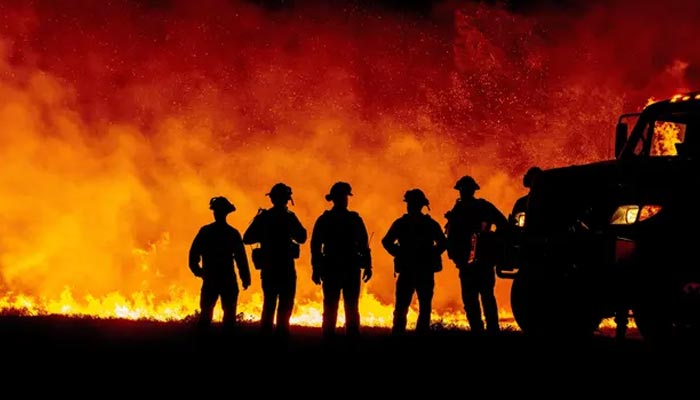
{"x": 629, "y": 214}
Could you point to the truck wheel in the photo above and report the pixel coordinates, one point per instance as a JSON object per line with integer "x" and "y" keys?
{"x": 546, "y": 308}
{"x": 529, "y": 305}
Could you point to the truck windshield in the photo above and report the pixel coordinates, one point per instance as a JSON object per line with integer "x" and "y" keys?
{"x": 662, "y": 135}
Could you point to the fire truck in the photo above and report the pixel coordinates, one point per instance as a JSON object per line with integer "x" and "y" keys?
{"x": 615, "y": 236}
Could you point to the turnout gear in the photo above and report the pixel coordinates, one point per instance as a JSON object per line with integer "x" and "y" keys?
{"x": 473, "y": 245}
{"x": 214, "y": 252}
{"x": 416, "y": 242}
{"x": 279, "y": 234}
{"x": 341, "y": 259}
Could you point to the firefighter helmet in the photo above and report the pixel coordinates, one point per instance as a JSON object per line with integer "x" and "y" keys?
{"x": 339, "y": 189}
{"x": 466, "y": 182}
{"x": 221, "y": 203}
{"x": 416, "y": 196}
{"x": 281, "y": 191}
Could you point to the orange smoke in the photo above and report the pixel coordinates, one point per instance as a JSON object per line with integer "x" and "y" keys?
{"x": 120, "y": 121}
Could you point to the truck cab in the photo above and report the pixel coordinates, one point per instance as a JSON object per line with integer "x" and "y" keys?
{"x": 614, "y": 236}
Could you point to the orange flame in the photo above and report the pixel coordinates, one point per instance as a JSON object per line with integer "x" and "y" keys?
{"x": 666, "y": 136}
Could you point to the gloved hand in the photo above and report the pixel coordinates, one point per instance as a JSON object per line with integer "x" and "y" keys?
{"x": 316, "y": 277}
{"x": 367, "y": 274}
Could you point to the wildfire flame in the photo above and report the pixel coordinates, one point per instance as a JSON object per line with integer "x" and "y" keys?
{"x": 666, "y": 136}
{"x": 185, "y": 305}
{"x": 119, "y": 121}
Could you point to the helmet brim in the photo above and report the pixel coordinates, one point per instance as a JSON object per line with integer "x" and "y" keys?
{"x": 331, "y": 196}
{"x": 475, "y": 187}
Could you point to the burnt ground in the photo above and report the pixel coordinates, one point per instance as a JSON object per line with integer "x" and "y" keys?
{"x": 103, "y": 358}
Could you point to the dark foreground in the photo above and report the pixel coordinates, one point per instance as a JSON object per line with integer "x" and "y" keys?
{"x": 81, "y": 354}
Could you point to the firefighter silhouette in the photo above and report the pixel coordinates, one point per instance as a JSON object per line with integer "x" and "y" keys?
{"x": 211, "y": 257}
{"x": 472, "y": 230}
{"x": 341, "y": 259}
{"x": 517, "y": 215}
{"x": 279, "y": 233}
{"x": 416, "y": 242}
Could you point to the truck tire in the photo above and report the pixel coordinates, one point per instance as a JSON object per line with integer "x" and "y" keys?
{"x": 528, "y": 305}
{"x": 545, "y": 308}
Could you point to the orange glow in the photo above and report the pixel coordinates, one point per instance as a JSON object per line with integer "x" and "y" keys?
{"x": 115, "y": 136}
{"x": 183, "y": 305}
{"x": 666, "y": 136}
{"x": 609, "y": 324}
{"x": 648, "y": 211}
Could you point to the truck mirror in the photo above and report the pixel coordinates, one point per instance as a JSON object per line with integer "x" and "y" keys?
{"x": 620, "y": 138}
